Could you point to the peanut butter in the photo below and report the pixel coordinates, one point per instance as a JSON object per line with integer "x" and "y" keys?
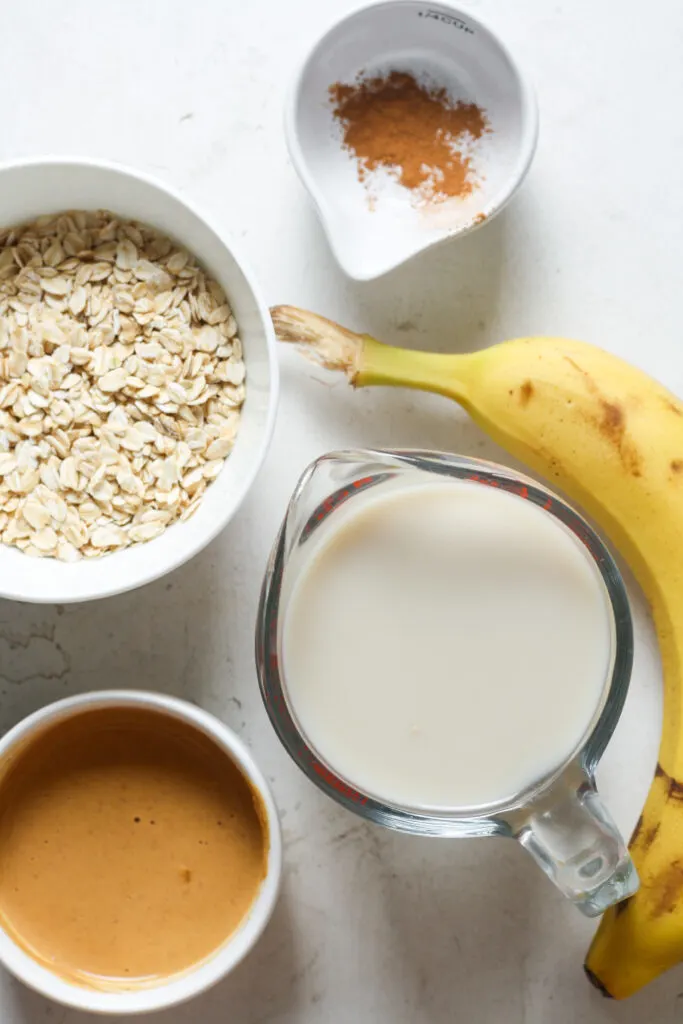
{"x": 131, "y": 847}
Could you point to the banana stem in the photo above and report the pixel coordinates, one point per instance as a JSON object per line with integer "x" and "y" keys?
{"x": 368, "y": 362}
{"x": 399, "y": 367}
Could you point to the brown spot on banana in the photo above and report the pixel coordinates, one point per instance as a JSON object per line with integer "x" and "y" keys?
{"x": 643, "y": 837}
{"x": 636, "y": 831}
{"x": 613, "y": 427}
{"x": 612, "y": 423}
{"x": 552, "y": 467}
{"x": 526, "y": 392}
{"x": 674, "y": 787}
{"x": 621, "y": 907}
{"x": 676, "y": 466}
{"x": 669, "y": 889}
{"x": 591, "y": 386}
{"x": 613, "y": 419}
{"x": 650, "y": 836}
{"x": 596, "y": 983}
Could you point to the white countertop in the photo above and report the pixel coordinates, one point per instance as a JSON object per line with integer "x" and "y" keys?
{"x": 372, "y": 926}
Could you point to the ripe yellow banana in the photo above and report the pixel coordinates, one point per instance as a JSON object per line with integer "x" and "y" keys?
{"x": 612, "y": 438}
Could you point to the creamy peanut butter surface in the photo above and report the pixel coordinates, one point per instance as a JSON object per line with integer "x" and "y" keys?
{"x": 131, "y": 847}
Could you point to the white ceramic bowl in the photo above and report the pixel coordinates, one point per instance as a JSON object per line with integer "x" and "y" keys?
{"x": 28, "y": 189}
{"x": 192, "y": 982}
{"x": 452, "y": 48}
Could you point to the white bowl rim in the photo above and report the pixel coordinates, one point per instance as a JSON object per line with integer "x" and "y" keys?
{"x": 527, "y": 146}
{"x": 274, "y": 390}
{"x": 193, "y": 982}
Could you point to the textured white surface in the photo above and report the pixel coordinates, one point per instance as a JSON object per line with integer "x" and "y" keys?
{"x": 371, "y": 927}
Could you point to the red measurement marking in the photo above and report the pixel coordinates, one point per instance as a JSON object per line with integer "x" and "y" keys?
{"x": 509, "y": 485}
{"x": 336, "y": 783}
{"x": 333, "y": 501}
{"x": 475, "y": 478}
{"x": 329, "y": 504}
{"x": 280, "y": 701}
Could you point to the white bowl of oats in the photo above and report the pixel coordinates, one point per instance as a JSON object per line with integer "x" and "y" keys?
{"x": 138, "y": 380}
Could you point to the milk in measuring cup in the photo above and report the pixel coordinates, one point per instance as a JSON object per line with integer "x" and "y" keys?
{"x": 446, "y": 645}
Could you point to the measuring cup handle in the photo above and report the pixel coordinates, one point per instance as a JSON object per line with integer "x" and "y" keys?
{"x": 571, "y": 835}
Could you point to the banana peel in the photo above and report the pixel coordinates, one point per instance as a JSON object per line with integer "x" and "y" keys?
{"x": 611, "y": 437}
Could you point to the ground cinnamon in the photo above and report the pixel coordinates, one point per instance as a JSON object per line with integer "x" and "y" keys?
{"x": 416, "y": 132}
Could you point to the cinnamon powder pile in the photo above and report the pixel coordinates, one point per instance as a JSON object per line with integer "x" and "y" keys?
{"x": 415, "y": 132}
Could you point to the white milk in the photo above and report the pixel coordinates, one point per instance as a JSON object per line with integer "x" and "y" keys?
{"x": 446, "y": 645}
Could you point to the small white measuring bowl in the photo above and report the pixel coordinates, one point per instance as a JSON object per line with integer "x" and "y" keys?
{"x": 437, "y": 43}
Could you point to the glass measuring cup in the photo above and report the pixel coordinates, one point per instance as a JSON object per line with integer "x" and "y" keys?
{"x": 560, "y": 819}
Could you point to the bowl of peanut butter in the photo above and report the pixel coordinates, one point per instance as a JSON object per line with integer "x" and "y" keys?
{"x": 140, "y": 851}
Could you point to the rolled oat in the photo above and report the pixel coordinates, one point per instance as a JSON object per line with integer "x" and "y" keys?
{"x": 121, "y": 384}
